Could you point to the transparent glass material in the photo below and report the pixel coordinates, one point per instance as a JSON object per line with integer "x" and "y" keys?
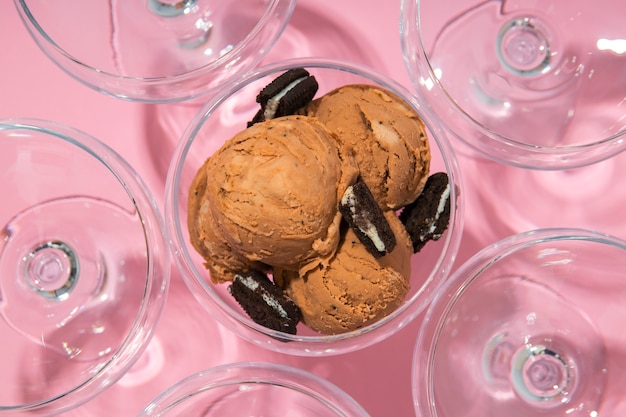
{"x": 529, "y": 83}
{"x": 529, "y": 326}
{"x": 226, "y": 114}
{"x": 253, "y": 389}
{"x": 84, "y": 267}
{"x": 155, "y": 50}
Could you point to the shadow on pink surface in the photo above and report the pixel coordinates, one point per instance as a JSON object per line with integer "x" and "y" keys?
{"x": 507, "y": 200}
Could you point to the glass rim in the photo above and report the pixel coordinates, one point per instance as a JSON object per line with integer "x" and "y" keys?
{"x": 28, "y": 17}
{"x": 183, "y": 86}
{"x": 283, "y": 376}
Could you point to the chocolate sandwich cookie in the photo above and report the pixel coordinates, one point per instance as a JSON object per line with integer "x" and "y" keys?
{"x": 428, "y": 216}
{"x": 363, "y": 214}
{"x": 264, "y": 302}
{"x": 285, "y": 95}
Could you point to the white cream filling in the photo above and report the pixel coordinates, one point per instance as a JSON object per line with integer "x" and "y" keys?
{"x": 440, "y": 208}
{"x": 369, "y": 229}
{"x": 252, "y": 285}
{"x": 272, "y": 103}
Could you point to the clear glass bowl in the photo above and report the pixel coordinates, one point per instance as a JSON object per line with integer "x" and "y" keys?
{"x": 254, "y": 388}
{"x": 155, "y": 50}
{"x": 532, "y": 84}
{"x": 84, "y": 267}
{"x": 226, "y": 114}
{"x": 528, "y": 326}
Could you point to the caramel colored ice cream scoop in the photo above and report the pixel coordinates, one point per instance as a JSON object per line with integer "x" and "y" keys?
{"x": 388, "y": 139}
{"x": 351, "y": 289}
{"x": 272, "y": 193}
{"x": 221, "y": 261}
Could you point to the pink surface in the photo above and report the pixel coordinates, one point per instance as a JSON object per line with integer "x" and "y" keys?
{"x": 379, "y": 377}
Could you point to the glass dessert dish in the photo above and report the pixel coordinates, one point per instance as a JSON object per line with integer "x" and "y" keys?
{"x": 226, "y": 114}
{"x": 527, "y": 327}
{"x": 244, "y": 389}
{"x": 155, "y": 50}
{"x": 84, "y": 267}
{"x": 530, "y": 84}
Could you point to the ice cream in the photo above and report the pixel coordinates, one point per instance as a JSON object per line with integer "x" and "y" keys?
{"x": 284, "y": 198}
{"x": 352, "y": 288}
{"x": 261, "y": 200}
{"x": 221, "y": 261}
{"x": 387, "y": 138}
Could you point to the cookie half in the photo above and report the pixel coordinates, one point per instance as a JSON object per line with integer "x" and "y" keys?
{"x": 360, "y": 210}
{"x": 264, "y": 302}
{"x": 429, "y": 215}
{"x": 285, "y": 95}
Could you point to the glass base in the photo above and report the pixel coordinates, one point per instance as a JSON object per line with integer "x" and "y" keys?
{"x": 543, "y": 354}
{"x": 70, "y": 291}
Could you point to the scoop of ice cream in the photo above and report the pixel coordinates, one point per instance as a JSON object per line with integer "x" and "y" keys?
{"x": 351, "y": 289}
{"x": 221, "y": 261}
{"x": 387, "y": 137}
{"x": 273, "y": 190}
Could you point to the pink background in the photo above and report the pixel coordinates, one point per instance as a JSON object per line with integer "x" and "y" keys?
{"x": 187, "y": 341}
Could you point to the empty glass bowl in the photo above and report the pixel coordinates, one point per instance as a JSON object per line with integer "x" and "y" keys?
{"x": 84, "y": 267}
{"x": 528, "y": 326}
{"x": 532, "y": 84}
{"x": 253, "y": 389}
{"x": 155, "y": 50}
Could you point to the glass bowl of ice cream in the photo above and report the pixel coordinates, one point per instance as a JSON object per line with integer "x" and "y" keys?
{"x": 253, "y": 388}
{"x": 313, "y": 207}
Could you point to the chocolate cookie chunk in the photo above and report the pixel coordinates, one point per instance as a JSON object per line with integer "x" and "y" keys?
{"x": 363, "y": 214}
{"x": 428, "y": 216}
{"x": 285, "y": 95}
{"x": 264, "y": 302}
